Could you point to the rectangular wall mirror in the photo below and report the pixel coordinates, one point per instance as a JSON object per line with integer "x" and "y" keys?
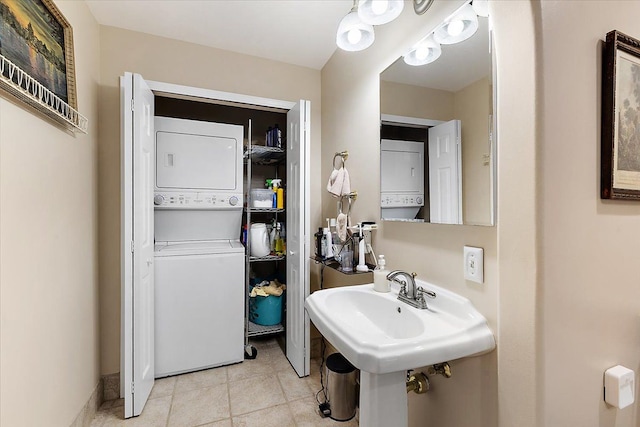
{"x": 437, "y": 148}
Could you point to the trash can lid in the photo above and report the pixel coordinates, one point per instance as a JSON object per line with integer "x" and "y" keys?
{"x": 336, "y": 362}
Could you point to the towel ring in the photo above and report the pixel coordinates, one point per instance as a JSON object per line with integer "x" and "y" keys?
{"x": 343, "y": 156}
{"x": 350, "y": 198}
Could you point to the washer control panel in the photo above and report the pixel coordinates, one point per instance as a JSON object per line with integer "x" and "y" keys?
{"x": 194, "y": 200}
{"x": 389, "y": 200}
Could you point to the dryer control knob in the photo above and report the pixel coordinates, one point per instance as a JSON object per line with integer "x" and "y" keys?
{"x": 233, "y": 200}
{"x": 158, "y": 199}
{"x": 419, "y": 200}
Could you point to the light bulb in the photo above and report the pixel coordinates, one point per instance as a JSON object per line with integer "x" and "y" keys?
{"x": 455, "y": 28}
{"x": 379, "y": 6}
{"x": 422, "y": 53}
{"x": 354, "y": 36}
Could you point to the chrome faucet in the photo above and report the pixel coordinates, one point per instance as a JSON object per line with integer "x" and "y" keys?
{"x": 410, "y": 293}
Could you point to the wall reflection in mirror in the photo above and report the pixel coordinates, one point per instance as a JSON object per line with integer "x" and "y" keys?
{"x": 437, "y": 157}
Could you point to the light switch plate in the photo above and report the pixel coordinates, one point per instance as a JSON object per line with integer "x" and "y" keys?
{"x": 474, "y": 264}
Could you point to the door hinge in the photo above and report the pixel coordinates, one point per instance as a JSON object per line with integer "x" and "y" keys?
{"x": 132, "y": 105}
{"x": 133, "y": 387}
{"x": 132, "y": 246}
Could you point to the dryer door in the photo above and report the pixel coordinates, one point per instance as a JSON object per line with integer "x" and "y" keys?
{"x": 196, "y": 155}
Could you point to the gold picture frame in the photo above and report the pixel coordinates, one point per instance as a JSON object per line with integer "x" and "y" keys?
{"x": 38, "y": 39}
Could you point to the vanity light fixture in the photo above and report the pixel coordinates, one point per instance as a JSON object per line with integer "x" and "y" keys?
{"x": 461, "y": 25}
{"x": 458, "y": 27}
{"x": 355, "y": 31}
{"x": 353, "y": 34}
{"x": 379, "y": 12}
{"x": 424, "y": 52}
{"x": 481, "y": 7}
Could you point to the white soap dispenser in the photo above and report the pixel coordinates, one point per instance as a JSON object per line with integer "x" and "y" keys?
{"x": 380, "y": 282}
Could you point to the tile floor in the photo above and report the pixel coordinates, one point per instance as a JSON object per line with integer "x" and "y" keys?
{"x": 264, "y": 392}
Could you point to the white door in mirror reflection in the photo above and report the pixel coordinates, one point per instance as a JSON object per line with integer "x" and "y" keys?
{"x": 445, "y": 173}
{"x": 402, "y": 178}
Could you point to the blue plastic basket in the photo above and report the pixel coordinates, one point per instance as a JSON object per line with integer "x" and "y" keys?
{"x": 266, "y": 311}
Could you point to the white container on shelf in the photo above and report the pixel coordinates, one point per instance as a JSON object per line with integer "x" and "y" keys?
{"x": 259, "y": 240}
{"x": 261, "y": 198}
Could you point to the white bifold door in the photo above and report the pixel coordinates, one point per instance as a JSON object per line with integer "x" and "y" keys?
{"x": 136, "y": 365}
{"x": 137, "y": 248}
{"x": 445, "y": 173}
{"x": 298, "y": 229}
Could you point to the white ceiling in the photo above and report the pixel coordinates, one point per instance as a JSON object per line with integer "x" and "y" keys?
{"x": 459, "y": 65}
{"x": 299, "y": 32}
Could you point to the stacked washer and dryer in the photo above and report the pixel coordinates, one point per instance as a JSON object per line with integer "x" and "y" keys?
{"x": 199, "y": 259}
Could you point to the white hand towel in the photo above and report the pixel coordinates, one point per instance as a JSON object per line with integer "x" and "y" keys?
{"x": 341, "y": 226}
{"x": 339, "y": 183}
{"x": 346, "y": 183}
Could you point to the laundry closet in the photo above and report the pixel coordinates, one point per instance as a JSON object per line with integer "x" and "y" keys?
{"x": 194, "y": 161}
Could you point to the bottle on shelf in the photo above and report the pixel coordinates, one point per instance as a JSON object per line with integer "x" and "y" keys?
{"x": 328, "y": 243}
{"x": 278, "y": 249}
{"x": 280, "y": 198}
{"x": 277, "y": 133}
{"x": 272, "y": 237}
{"x": 278, "y": 202}
{"x": 335, "y": 240}
{"x": 380, "y": 282}
{"x": 269, "y": 137}
{"x": 318, "y": 240}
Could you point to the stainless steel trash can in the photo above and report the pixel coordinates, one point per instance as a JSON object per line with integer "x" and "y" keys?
{"x": 342, "y": 387}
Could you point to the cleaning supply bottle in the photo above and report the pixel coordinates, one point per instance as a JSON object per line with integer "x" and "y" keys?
{"x": 272, "y": 237}
{"x": 277, "y": 136}
{"x": 278, "y": 241}
{"x": 380, "y": 282}
{"x": 280, "y": 198}
{"x": 276, "y": 183}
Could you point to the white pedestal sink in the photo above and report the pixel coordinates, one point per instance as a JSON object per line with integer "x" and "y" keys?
{"x": 384, "y": 337}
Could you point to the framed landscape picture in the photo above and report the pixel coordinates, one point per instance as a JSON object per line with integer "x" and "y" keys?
{"x": 620, "y": 142}
{"x": 38, "y": 39}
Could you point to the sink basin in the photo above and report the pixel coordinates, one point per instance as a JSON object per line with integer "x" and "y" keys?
{"x": 379, "y": 334}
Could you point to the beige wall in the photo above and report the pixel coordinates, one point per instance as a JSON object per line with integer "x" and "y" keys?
{"x": 401, "y": 99}
{"x": 590, "y": 286}
{"x": 350, "y": 121}
{"x": 472, "y": 106}
{"x": 172, "y": 61}
{"x": 49, "y": 251}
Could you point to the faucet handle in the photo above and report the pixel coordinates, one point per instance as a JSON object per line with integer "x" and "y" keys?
{"x": 422, "y": 291}
{"x": 403, "y": 288}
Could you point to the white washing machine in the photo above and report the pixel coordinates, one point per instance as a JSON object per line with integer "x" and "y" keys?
{"x": 199, "y": 305}
{"x": 199, "y": 260}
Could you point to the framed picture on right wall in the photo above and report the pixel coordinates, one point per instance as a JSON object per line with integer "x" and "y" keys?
{"x": 620, "y": 140}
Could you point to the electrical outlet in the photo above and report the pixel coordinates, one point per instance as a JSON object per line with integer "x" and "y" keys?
{"x": 474, "y": 264}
